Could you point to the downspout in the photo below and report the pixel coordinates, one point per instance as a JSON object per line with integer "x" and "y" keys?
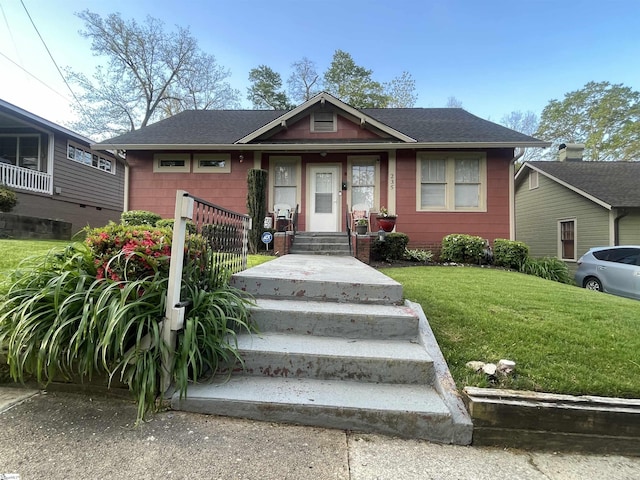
{"x": 616, "y": 226}
{"x": 125, "y": 200}
{"x": 512, "y": 194}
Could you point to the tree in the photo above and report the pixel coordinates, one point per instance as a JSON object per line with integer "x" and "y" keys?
{"x": 304, "y": 82}
{"x": 264, "y": 92}
{"x": 526, "y": 123}
{"x": 453, "y": 102}
{"x": 402, "y": 91}
{"x": 603, "y": 116}
{"x": 147, "y": 69}
{"x": 353, "y": 84}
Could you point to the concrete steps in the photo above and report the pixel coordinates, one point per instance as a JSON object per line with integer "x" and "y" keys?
{"x": 321, "y": 243}
{"x": 336, "y": 348}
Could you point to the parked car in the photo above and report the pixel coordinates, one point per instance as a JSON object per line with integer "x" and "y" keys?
{"x": 613, "y": 270}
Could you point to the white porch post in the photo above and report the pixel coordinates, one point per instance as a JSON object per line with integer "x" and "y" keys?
{"x": 391, "y": 183}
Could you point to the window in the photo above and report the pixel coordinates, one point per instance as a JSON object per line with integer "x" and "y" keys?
{"x": 363, "y": 184}
{"x": 323, "y": 122}
{"x": 171, "y": 163}
{"x": 451, "y": 182}
{"x": 533, "y": 179}
{"x": 211, "y": 163}
{"x": 626, "y": 255}
{"x": 86, "y": 156}
{"x": 284, "y": 180}
{"x": 567, "y": 231}
{"x": 21, "y": 150}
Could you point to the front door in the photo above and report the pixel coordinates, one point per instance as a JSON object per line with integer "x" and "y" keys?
{"x": 324, "y": 205}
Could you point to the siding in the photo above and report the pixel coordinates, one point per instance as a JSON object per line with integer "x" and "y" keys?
{"x": 630, "y": 228}
{"x": 86, "y": 185}
{"x": 538, "y": 212}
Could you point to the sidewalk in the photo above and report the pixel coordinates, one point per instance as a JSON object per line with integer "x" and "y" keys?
{"x": 76, "y": 436}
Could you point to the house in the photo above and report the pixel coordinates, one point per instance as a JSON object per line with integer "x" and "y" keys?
{"x": 565, "y": 207}
{"x": 55, "y": 173}
{"x": 441, "y": 170}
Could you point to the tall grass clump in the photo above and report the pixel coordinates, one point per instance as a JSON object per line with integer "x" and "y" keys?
{"x": 96, "y": 308}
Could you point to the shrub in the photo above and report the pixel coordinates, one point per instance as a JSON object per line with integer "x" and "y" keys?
{"x": 509, "y": 254}
{"x": 461, "y": 248}
{"x": 424, "y": 256}
{"x": 122, "y": 252}
{"x": 8, "y": 199}
{"x": 392, "y": 248}
{"x": 168, "y": 223}
{"x": 139, "y": 217}
{"x": 548, "y": 268}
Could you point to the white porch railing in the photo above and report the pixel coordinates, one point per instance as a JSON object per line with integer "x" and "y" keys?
{"x": 25, "y": 179}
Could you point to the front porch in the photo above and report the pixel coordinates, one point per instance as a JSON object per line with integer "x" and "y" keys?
{"x": 25, "y": 179}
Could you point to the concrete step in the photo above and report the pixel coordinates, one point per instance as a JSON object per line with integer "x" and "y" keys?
{"x": 329, "y": 319}
{"x": 319, "y": 278}
{"x": 331, "y": 358}
{"x": 321, "y": 243}
{"x": 413, "y": 411}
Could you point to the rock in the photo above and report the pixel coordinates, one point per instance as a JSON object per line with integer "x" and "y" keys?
{"x": 475, "y": 365}
{"x": 506, "y": 367}
{"x": 489, "y": 369}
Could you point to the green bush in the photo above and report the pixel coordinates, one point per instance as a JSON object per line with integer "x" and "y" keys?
{"x": 509, "y": 254}
{"x": 8, "y": 199}
{"x": 96, "y": 307}
{"x": 392, "y": 248}
{"x": 549, "y": 268}
{"x": 168, "y": 223}
{"x": 461, "y": 248}
{"x": 139, "y": 217}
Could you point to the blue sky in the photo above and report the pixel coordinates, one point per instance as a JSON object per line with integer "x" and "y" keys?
{"x": 495, "y": 57}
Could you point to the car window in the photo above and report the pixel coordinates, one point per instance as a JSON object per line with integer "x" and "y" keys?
{"x": 629, "y": 256}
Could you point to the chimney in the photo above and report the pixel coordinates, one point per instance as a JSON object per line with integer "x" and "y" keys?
{"x": 570, "y": 152}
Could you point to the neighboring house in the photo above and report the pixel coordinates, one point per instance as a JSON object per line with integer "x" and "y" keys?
{"x": 565, "y": 207}
{"x": 441, "y": 170}
{"x": 55, "y": 173}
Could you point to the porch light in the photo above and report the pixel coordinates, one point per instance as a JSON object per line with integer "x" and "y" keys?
{"x": 381, "y": 235}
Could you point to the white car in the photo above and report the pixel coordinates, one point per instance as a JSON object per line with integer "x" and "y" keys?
{"x": 613, "y": 270}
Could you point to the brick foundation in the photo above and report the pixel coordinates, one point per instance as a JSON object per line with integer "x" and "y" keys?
{"x": 362, "y": 247}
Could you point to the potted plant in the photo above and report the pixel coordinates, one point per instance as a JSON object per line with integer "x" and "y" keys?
{"x": 362, "y": 225}
{"x": 386, "y": 221}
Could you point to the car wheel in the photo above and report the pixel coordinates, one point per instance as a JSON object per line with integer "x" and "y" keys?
{"x": 592, "y": 283}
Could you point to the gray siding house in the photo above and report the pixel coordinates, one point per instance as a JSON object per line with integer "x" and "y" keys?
{"x": 55, "y": 173}
{"x": 564, "y": 208}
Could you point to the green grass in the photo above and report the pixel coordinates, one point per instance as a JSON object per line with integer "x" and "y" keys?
{"x": 563, "y": 339}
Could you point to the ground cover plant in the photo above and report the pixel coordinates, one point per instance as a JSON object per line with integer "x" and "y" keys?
{"x": 95, "y": 308}
{"x": 563, "y": 339}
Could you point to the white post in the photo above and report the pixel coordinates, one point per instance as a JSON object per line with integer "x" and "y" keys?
{"x": 174, "y": 315}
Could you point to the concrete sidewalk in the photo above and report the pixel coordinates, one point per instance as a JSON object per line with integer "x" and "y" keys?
{"x": 59, "y": 435}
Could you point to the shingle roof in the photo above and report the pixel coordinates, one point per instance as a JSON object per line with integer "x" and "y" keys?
{"x": 615, "y": 183}
{"x": 429, "y": 125}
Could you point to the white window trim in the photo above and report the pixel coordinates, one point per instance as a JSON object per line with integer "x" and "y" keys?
{"x": 575, "y": 239}
{"x": 335, "y": 123}
{"x": 533, "y": 179}
{"x": 221, "y": 157}
{"x": 159, "y": 157}
{"x": 450, "y": 158}
{"x": 93, "y": 153}
{"x": 272, "y": 165}
{"x": 364, "y": 160}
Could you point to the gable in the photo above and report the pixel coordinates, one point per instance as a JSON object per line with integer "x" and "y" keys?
{"x": 341, "y": 128}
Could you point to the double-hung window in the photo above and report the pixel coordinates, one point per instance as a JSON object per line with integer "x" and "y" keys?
{"x": 451, "y": 182}
{"x": 286, "y": 181}
{"x": 363, "y": 184}
{"x": 567, "y": 234}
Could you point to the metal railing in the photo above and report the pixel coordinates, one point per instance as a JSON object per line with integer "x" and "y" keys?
{"x": 223, "y": 243}
{"x": 25, "y": 178}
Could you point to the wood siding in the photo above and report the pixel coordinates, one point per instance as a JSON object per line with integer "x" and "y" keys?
{"x": 346, "y": 130}
{"x": 539, "y": 210}
{"x": 84, "y": 184}
{"x": 630, "y": 228}
{"x": 426, "y": 229}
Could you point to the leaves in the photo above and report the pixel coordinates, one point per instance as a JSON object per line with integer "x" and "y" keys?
{"x": 603, "y": 116}
{"x": 264, "y": 91}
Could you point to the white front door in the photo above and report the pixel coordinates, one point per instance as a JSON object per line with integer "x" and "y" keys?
{"x": 324, "y": 201}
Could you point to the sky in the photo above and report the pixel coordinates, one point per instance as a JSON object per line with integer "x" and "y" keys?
{"x": 495, "y": 57}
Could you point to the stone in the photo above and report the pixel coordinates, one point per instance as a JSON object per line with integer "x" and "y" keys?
{"x": 506, "y": 367}
{"x": 489, "y": 369}
{"x": 475, "y": 365}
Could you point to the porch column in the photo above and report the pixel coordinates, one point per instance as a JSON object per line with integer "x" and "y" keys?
{"x": 391, "y": 182}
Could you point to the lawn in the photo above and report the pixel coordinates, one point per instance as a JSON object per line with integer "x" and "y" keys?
{"x": 563, "y": 339}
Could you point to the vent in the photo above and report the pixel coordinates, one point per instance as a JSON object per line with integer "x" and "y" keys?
{"x": 323, "y": 122}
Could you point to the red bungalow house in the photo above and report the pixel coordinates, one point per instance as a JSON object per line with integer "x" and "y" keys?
{"x": 441, "y": 170}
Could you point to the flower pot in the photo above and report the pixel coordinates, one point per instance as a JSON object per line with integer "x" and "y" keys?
{"x": 362, "y": 229}
{"x": 387, "y": 223}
